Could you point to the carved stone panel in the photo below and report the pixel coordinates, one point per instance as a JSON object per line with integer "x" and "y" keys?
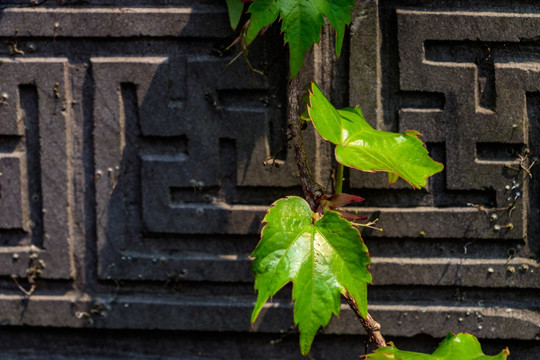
{"x": 137, "y": 160}
{"x": 34, "y": 166}
{"x": 180, "y": 147}
{"x": 466, "y": 77}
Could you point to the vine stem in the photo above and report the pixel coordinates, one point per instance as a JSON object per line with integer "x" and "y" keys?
{"x": 312, "y": 190}
{"x": 313, "y": 193}
{"x": 373, "y": 328}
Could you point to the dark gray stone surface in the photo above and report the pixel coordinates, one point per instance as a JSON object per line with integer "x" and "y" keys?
{"x": 103, "y": 344}
{"x": 131, "y": 165}
{"x": 35, "y": 121}
{"x": 466, "y": 76}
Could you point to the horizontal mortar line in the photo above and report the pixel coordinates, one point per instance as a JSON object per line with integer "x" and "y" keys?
{"x": 420, "y": 209}
{"x": 264, "y": 208}
{"x": 497, "y": 162}
{"x": 14, "y": 154}
{"x": 522, "y": 65}
{"x": 81, "y": 298}
{"x": 130, "y": 59}
{"x": 196, "y": 257}
{"x": 222, "y": 206}
{"x": 41, "y": 59}
{"x": 468, "y": 13}
{"x": 122, "y": 10}
{"x": 502, "y": 64}
{"x": 421, "y": 110}
{"x": 19, "y": 249}
{"x": 38, "y": 298}
{"x": 486, "y": 310}
{"x": 456, "y": 261}
{"x": 450, "y": 64}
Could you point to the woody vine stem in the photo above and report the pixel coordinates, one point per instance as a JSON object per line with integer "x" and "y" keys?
{"x": 314, "y": 192}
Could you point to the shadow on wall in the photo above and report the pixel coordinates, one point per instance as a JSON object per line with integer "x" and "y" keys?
{"x": 179, "y": 141}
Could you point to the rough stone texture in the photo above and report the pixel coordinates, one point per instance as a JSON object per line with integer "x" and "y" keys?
{"x": 35, "y": 160}
{"x": 131, "y": 164}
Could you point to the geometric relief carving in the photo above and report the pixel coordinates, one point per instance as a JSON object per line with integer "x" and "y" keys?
{"x": 119, "y": 84}
{"x": 173, "y": 141}
{"x": 34, "y": 166}
{"x": 485, "y": 94}
{"x": 463, "y": 83}
{"x": 217, "y": 129}
{"x": 176, "y": 152}
{"x": 484, "y": 76}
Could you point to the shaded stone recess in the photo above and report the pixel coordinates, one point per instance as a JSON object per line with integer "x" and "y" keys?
{"x": 131, "y": 162}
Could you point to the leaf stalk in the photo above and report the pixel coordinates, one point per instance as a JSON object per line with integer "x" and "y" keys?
{"x": 338, "y": 188}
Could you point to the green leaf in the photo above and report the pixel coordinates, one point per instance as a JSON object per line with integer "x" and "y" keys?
{"x": 301, "y": 22}
{"x": 301, "y": 25}
{"x": 322, "y": 255}
{"x": 263, "y": 13}
{"x": 235, "y": 11}
{"x": 338, "y": 13}
{"x": 392, "y": 178}
{"x": 454, "y": 347}
{"x": 360, "y": 146}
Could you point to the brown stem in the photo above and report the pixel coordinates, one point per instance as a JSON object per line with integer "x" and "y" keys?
{"x": 373, "y": 328}
{"x": 312, "y": 190}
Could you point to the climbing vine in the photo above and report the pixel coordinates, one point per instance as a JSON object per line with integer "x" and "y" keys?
{"x": 311, "y": 242}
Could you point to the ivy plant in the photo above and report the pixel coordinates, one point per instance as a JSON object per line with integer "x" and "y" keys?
{"x": 310, "y": 242}
{"x": 301, "y": 22}
{"x": 322, "y": 254}
{"x": 461, "y": 346}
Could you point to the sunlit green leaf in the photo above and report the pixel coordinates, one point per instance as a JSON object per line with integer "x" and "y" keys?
{"x": 322, "y": 255}
{"x": 454, "y": 347}
{"x": 360, "y": 146}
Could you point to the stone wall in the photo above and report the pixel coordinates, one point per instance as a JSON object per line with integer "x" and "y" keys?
{"x": 131, "y": 162}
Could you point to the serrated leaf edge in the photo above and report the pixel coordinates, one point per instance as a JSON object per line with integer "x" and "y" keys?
{"x": 295, "y": 68}
{"x": 412, "y": 133}
{"x": 254, "y": 314}
{"x": 343, "y": 289}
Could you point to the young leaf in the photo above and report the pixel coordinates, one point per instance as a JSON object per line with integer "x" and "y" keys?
{"x": 461, "y": 346}
{"x": 338, "y": 200}
{"x": 322, "y": 255}
{"x": 235, "y": 11}
{"x": 301, "y": 23}
{"x": 360, "y": 146}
